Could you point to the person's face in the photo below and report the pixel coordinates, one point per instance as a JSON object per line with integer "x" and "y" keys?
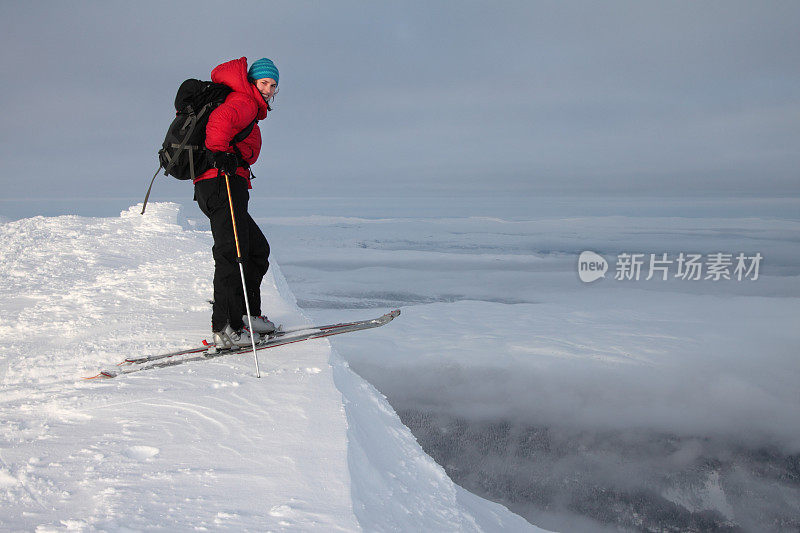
{"x": 267, "y": 87}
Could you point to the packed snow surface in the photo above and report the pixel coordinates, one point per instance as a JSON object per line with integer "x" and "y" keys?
{"x": 198, "y": 446}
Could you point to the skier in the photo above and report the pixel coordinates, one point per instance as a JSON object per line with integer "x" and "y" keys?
{"x": 253, "y": 89}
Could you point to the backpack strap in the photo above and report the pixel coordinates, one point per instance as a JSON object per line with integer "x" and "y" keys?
{"x": 146, "y": 196}
{"x": 192, "y": 122}
{"x": 242, "y": 135}
{"x": 239, "y": 137}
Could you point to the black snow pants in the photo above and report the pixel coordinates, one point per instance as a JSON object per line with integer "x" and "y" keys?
{"x": 229, "y": 305}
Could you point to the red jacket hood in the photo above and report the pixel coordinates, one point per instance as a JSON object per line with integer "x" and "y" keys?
{"x": 234, "y": 74}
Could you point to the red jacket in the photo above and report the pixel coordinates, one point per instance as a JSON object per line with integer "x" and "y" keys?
{"x": 241, "y": 106}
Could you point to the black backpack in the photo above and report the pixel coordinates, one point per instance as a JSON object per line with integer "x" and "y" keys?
{"x": 183, "y": 153}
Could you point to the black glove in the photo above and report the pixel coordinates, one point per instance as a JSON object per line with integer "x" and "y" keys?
{"x": 225, "y": 162}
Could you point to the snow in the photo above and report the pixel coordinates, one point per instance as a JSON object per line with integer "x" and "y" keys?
{"x": 583, "y": 407}
{"x": 200, "y": 446}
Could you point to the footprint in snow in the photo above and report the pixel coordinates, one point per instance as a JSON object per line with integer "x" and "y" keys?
{"x": 7, "y": 480}
{"x": 141, "y": 453}
{"x": 308, "y": 370}
{"x": 280, "y": 510}
{"x": 223, "y": 516}
{"x": 221, "y": 384}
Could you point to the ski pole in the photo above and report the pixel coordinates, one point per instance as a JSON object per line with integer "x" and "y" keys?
{"x": 241, "y": 271}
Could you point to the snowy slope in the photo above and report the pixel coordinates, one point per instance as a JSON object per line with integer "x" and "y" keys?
{"x": 310, "y": 446}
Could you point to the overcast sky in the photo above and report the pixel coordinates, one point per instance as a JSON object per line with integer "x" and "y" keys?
{"x": 415, "y": 97}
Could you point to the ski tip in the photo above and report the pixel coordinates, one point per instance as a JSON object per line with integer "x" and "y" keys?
{"x": 105, "y": 374}
{"x": 391, "y": 315}
{"x": 385, "y": 319}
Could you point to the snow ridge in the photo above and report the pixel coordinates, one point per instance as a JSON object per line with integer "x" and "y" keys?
{"x": 310, "y": 446}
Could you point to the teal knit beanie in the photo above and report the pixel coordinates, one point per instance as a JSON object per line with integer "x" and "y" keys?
{"x": 263, "y": 68}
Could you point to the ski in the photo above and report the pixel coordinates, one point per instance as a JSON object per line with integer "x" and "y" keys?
{"x": 279, "y": 338}
{"x": 279, "y": 334}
